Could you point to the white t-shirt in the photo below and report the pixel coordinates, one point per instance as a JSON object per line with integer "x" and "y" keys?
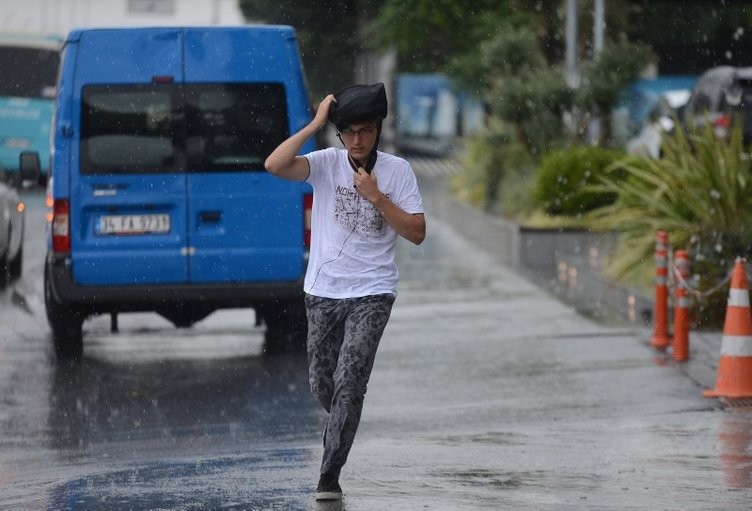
{"x": 352, "y": 245}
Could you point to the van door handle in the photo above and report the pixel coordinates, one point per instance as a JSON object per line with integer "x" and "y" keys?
{"x": 210, "y": 216}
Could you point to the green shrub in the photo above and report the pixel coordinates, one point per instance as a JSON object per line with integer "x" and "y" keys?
{"x": 564, "y": 179}
{"x": 700, "y": 192}
{"x": 478, "y": 185}
{"x": 495, "y": 173}
{"x": 515, "y": 188}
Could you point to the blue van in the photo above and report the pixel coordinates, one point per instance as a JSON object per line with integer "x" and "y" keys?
{"x": 159, "y": 199}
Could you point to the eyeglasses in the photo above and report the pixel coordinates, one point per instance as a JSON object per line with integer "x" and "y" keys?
{"x": 363, "y": 132}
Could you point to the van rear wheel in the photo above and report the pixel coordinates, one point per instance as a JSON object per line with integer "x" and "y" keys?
{"x": 66, "y": 324}
{"x": 286, "y": 327}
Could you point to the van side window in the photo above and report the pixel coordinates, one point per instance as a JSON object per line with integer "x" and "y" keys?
{"x": 128, "y": 129}
{"x": 34, "y": 72}
{"x": 180, "y": 128}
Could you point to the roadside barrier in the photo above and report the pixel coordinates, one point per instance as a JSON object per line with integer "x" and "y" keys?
{"x": 734, "y": 379}
{"x": 678, "y": 340}
{"x": 660, "y": 338}
{"x": 680, "y": 344}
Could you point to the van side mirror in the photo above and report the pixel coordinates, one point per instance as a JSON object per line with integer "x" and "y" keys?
{"x": 28, "y": 166}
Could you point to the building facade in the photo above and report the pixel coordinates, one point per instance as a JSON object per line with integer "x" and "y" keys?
{"x": 60, "y": 16}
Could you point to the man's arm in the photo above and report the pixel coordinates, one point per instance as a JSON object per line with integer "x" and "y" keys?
{"x": 284, "y": 160}
{"x": 411, "y": 226}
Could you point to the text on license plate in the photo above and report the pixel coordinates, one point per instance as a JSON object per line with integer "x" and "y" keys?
{"x": 134, "y": 224}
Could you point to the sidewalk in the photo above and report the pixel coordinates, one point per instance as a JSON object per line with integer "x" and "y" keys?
{"x": 551, "y": 258}
{"x": 495, "y": 394}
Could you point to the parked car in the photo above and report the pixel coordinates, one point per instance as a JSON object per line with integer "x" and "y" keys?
{"x": 159, "y": 197}
{"x": 651, "y": 105}
{"x": 722, "y": 95}
{"x": 660, "y": 121}
{"x": 12, "y": 224}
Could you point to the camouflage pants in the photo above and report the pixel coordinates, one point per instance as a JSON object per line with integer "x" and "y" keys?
{"x": 343, "y": 336}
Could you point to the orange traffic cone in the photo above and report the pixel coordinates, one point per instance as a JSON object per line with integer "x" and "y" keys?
{"x": 735, "y": 366}
{"x": 661, "y": 339}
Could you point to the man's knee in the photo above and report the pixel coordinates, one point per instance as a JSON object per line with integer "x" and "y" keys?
{"x": 350, "y": 393}
{"x": 322, "y": 393}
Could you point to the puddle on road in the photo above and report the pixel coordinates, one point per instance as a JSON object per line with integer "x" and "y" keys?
{"x": 493, "y": 437}
{"x": 488, "y": 478}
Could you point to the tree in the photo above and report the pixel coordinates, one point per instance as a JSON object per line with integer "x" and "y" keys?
{"x": 520, "y": 87}
{"x": 605, "y": 77}
{"x": 690, "y": 37}
{"x": 330, "y": 35}
{"x": 427, "y": 34}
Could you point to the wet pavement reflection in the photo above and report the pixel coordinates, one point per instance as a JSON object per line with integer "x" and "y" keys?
{"x": 186, "y": 404}
{"x": 735, "y": 449}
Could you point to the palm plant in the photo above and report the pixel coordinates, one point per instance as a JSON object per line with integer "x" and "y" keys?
{"x": 700, "y": 192}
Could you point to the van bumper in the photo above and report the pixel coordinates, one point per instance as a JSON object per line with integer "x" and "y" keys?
{"x": 99, "y": 299}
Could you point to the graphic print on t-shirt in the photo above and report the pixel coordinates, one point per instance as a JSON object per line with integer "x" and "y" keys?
{"x": 355, "y": 213}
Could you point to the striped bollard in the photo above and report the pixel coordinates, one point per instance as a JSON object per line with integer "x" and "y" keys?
{"x": 680, "y": 345}
{"x": 660, "y": 338}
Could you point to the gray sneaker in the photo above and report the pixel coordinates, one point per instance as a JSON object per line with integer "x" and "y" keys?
{"x": 328, "y": 488}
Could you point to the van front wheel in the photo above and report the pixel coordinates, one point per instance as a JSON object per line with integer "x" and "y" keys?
{"x": 66, "y": 324}
{"x": 15, "y": 267}
{"x": 4, "y": 271}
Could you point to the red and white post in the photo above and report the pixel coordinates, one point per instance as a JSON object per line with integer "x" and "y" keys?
{"x": 660, "y": 338}
{"x": 680, "y": 344}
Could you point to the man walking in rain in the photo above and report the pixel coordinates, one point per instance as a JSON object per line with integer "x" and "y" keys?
{"x": 363, "y": 200}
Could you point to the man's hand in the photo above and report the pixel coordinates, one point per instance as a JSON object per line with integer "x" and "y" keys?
{"x": 283, "y": 161}
{"x": 322, "y": 113}
{"x": 412, "y": 227}
{"x": 366, "y": 185}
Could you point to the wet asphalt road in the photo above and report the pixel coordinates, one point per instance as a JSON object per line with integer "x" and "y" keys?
{"x": 487, "y": 394}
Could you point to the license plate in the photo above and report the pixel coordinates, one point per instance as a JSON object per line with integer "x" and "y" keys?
{"x": 134, "y": 224}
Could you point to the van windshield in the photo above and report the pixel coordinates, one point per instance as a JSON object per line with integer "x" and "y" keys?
{"x": 34, "y": 71}
{"x": 180, "y": 128}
